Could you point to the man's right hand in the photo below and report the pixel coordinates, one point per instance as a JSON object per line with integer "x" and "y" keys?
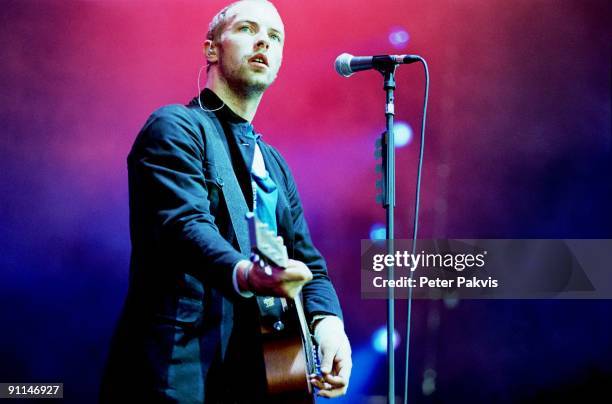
{"x": 280, "y": 282}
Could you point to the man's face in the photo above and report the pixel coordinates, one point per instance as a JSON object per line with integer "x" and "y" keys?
{"x": 250, "y": 47}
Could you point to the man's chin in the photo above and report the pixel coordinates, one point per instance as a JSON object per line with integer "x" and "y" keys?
{"x": 260, "y": 79}
{"x": 249, "y": 82}
{"x": 254, "y": 85}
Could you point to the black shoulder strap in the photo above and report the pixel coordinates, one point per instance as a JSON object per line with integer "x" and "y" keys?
{"x": 232, "y": 193}
{"x": 270, "y": 308}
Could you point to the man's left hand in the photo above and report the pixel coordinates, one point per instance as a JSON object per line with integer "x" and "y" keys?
{"x": 336, "y": 362}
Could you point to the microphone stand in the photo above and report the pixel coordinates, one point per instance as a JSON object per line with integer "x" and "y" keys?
{"x": 387, "y": 66}
{"x": 388, "y": 164}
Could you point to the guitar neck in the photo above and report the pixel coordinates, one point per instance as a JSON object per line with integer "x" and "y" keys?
{"x": 272, "y": 250}
{"x": 309, "y": 347}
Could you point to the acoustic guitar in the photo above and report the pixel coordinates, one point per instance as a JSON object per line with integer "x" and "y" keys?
{"x": 289, "y": 351}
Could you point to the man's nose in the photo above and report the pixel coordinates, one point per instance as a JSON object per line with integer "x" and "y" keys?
{"x": 262, "y": 43}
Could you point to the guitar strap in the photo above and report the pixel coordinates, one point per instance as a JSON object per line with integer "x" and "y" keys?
{"x": 270, "y": 308}
{"x": 232, "y": 193}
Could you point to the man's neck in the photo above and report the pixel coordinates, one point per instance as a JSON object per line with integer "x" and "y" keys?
{"x": 243, "y": 106}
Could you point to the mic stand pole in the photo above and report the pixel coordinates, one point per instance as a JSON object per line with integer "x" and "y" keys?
{"x": 389, "y": 204}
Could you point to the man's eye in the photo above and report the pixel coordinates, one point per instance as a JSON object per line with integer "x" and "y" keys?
{"x": 245, "y": 28}
{"x": 276, "y": 37}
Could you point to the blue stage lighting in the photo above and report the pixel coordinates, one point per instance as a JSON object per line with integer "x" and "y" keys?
{"x": 403, "y": 133}
{"x": 379, "y": 340}
{"x": 399, "y": 37}
{"x": 378, "y": 232}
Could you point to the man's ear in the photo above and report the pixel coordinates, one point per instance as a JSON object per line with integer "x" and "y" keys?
{"x": 210, "y": 51}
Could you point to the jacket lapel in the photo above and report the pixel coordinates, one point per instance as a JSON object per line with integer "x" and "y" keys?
{"x": 233, "y": 195}
{"x": 243, "y": 151}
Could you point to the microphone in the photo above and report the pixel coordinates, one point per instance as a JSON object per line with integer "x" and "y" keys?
{"x": 347, "y": 64}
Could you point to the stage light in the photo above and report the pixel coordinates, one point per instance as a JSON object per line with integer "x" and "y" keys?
{"x": 378, "y": 232}
{"x": 379, "y": 340}
{"x": 399, "y": 37}
{"x": 403, "y": 133}
{"x": 429, "y": 382}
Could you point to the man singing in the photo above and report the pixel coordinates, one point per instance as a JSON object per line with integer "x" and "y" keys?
{"x": 188, "y": 331}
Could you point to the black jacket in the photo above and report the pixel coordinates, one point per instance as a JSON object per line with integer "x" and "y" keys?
{"x": 184, "y": 330}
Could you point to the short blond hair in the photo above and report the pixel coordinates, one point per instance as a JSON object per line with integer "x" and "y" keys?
{"x": 217, "y": 24}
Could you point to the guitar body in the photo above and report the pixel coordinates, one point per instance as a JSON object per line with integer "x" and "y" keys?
{"x": 286, "y": 370}
{"x": 287, "y": 356}
{"x": 285, "y": 365}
